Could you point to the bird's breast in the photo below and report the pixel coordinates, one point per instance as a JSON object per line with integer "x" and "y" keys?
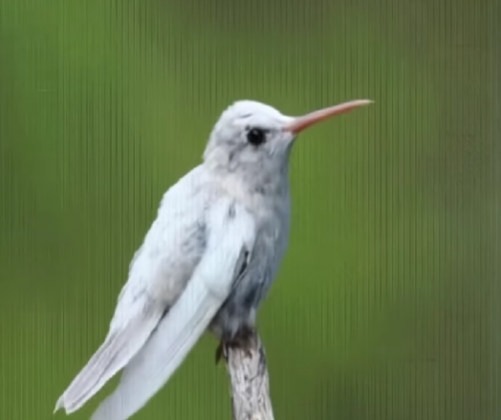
{"x": 241, "y": 307}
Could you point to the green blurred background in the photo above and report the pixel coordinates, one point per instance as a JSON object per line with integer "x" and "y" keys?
{"x": 387, "y": 303}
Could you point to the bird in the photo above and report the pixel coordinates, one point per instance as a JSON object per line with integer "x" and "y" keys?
{"x": 206, "y": 263}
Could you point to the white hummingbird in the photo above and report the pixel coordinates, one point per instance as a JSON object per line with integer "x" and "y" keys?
{"x": 207, "y": 261}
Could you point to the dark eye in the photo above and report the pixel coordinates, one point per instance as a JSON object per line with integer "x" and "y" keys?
{"x": 256, "y": 136}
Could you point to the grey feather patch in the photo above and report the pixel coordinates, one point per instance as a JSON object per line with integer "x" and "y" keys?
{"x": 231, "y": 211}
{"x": 242, "y": 265}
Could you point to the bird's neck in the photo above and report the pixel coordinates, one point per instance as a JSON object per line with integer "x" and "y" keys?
{"x": 254, "y": 188}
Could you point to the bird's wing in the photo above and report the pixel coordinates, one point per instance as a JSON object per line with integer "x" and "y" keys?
{"x": 158, "y": 274}
{"x": 231, "y": 233}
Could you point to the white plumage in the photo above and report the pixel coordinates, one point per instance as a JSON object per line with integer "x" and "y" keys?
{"x": 229, "y": 241}
{"x": 207, "y": 261}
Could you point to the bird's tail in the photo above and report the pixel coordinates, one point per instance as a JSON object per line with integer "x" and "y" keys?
{"x": 165, "y": 350}
{"x": 118, "y": 349}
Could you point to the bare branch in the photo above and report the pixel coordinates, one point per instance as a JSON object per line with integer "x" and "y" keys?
{"x": 250, "y": 390}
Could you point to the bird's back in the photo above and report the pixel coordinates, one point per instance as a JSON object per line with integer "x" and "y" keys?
{"x": 175, "y": 242}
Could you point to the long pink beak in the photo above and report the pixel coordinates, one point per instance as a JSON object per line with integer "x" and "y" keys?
{"x": 301, "y": 123}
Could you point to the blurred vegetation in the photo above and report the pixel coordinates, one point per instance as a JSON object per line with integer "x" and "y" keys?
{"x": 387, "y": 304}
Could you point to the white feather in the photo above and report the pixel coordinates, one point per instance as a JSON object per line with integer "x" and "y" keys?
{"x": 158, "y": 274}
{"x": 120, "y": 346}
{"x": 189, "y": 317}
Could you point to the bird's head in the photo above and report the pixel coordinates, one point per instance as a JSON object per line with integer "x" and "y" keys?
{"x": 253, "y": 140}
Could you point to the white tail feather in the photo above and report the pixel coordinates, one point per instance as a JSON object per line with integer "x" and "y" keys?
{"x": 152, "y": 367}
{"x": 117, "y": 350}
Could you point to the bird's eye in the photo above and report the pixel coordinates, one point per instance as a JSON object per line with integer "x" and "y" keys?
{"x": 256, "y": 136}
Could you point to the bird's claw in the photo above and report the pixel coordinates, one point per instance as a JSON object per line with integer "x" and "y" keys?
{"x": 242, "y": 340}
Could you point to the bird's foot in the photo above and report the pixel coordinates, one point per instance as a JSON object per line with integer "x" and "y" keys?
{"x": 242, "y": 340}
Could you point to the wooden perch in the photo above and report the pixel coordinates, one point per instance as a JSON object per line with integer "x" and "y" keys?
{"x": 250, "y": 390}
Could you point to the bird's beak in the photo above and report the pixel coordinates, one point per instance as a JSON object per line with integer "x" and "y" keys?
{"x": 301, "y": 123}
